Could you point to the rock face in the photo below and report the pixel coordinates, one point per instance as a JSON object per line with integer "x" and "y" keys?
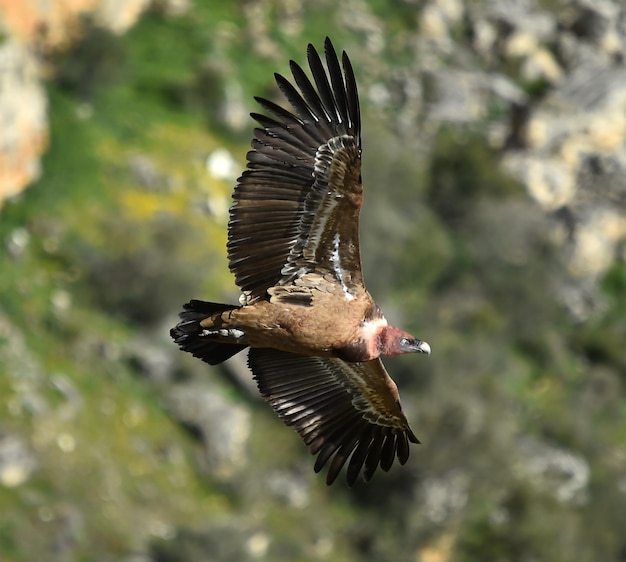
{"x": 559, "y": 78}
{"x": 574, "y": 157}
{"x": 30, "y": 27}
{"x": 567, "y": 143}
{"x": 54, "y": 24}
{"x": 23, "y": 118}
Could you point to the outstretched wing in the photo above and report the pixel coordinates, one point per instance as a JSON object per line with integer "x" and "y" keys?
{"x": 296, "y": 208}
{"x": 340, "y": 410}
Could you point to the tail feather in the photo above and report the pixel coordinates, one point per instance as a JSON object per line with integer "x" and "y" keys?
{"x": 188, "y": 333}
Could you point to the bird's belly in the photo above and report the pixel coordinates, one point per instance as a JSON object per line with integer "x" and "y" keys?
{"x": 301, "y": 329}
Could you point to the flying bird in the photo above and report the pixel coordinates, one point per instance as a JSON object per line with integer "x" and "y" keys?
{"x": 315, "y": 334}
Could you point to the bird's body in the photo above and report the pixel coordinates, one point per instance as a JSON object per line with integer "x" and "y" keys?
{"x": 314, "y": 332}
{"x": 290, "y": 320}
{"x": 294, "y": 327}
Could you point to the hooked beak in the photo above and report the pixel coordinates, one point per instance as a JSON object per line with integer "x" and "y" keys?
{"x": 421, "y": 346}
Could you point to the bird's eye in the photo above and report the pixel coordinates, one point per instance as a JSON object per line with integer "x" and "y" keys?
{"x": 404, "y": 341}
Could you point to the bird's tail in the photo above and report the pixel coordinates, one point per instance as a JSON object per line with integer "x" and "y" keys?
{"x": 191, "y": 337}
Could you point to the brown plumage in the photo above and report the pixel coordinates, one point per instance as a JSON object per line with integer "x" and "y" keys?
{"x": 315, "y": 333}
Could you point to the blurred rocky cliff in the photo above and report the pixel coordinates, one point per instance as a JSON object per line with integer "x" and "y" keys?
{"x": 29, "y": 32}
{"x": 494, "y": 226}
{"x": 548, "y": 77}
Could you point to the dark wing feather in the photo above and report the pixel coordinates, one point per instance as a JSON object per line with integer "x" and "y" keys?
{"x": 340, "y": 410}
{"x": 336, "y": 79}
{"x": 310, "y": 94}
{"x": 296, "y": 207}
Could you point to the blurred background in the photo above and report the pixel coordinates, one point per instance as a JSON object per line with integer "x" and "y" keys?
{"x": 494, "y": 227}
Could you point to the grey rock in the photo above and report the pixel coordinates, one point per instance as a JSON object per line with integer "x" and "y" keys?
{"x": 223, "y": 427}
{"x": 456, "y": 96}
{"x": 152, "y": 357}
{"x": 443, "y": 496}
{"x": 17, "y": 461}
{"x": 293, "y": 488}
{"x": 232, "y": 540}
{"x": 25, "y": 373}
{"x": 459, "y": 96}
{"x": 553, "y": 470}
{"x": 607, "y": 169}
{"x": 520, "y": 15}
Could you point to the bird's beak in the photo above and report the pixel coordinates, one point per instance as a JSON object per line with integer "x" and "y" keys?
{"x": 422, "y": 347}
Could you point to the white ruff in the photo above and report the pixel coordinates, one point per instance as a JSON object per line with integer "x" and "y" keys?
{"x": 372, "y": 327}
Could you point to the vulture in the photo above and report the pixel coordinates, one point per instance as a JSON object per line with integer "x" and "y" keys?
{"x": 314, "y": 333}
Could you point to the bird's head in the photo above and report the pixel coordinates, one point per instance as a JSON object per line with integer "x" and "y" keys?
{"x": 393, "y": 341}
